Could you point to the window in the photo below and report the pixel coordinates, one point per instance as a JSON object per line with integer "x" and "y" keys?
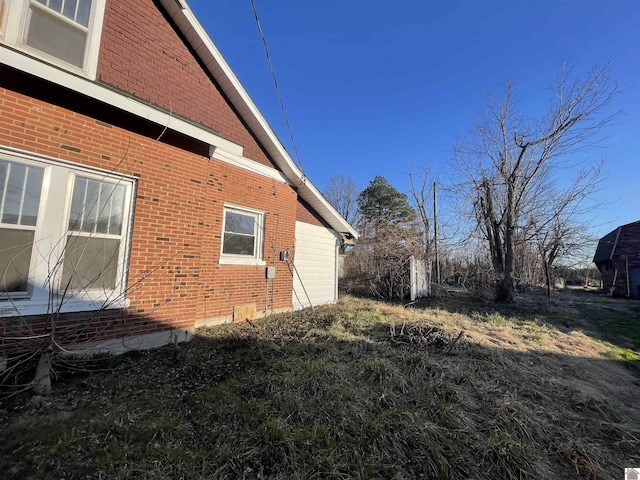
{"x": 242, "y": 240}
{"x": 63, "y": 235}
{"x": 20, "y": 188}
{"x": 64, "y": 32}
{"x": 94, "y": 235}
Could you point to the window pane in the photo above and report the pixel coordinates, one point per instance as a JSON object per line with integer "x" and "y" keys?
{"x": 70, "y": 9}
{"x": 238, "y": 244}
{"x": 117, "y": 210}
{"x": 54, "y": 5}
{"x": 56, "y": 37}
{"x": 13, "y": 193}
{"x": 91, "y": 203}
{"x": 90, "y": 264}
{"x": 238, "y": 223}
{"x": 104, "y": 210}
{"x": 84, "y": 10}
{"x": 77, "y": 204}
{"x": 94, "y": 201}
{"x": 31, "y": 203}
{"x": 20, "y": 188}
{"x": 15, "y": 257}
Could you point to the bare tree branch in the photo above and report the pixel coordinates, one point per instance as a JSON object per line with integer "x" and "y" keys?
{"x": 511, "y": 166}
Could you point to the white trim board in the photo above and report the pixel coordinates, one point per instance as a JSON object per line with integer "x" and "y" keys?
{"x": 120, "y": 345}
{"x": 250, "y": 165}
{"x": 86, "y": 87}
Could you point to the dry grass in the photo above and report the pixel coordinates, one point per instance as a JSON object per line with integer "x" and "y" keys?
{"x": 357, "y": 390}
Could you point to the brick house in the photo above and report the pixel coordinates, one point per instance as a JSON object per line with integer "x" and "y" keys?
{"x": 618, "y": 259}
{"x": 142, "y": 193}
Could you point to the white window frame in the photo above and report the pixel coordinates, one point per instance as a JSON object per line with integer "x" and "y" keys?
{"x": 13, "y": 30}
{"x": 44, "y": 290}
{"x": 4, "y": 8}
{"x": 258, "y": 229}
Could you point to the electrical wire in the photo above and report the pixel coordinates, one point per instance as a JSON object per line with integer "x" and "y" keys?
{"x": 275, "y": 83}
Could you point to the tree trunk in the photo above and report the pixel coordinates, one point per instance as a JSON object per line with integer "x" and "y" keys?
{"x": 504, "y": 289}
{"x": 547, "y": 275}
{"x": 42, "y": 380}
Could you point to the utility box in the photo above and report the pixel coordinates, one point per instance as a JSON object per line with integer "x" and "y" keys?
{"x": 271, "y": 272}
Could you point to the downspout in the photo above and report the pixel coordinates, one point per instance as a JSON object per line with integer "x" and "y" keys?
{"x": 336, "y": 270}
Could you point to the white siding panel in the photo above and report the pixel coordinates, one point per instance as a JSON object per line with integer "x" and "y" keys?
{"x": 315, "y": 279}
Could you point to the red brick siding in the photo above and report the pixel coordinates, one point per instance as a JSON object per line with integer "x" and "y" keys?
{"x": 142, "y": 54}
{"x": 174, "y": 275}
{"x": 306, "y": 214}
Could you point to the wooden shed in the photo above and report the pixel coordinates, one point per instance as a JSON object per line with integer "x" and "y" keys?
{"x": 618, "y": 259}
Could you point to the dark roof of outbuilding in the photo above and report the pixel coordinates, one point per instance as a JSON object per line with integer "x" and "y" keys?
{"x": 607, "y": 244}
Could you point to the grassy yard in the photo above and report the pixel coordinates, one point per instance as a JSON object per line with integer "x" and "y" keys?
{"x": 450, "y": 390}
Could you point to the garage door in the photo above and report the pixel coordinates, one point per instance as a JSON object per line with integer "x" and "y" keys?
{"x": 315, "y": 279}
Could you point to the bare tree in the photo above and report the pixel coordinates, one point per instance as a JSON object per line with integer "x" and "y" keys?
{"x": 557, "y": 228}
{"x": 509, "y": 160}
{"x": 420, "y": 188}
{"x": 343, "y": 193}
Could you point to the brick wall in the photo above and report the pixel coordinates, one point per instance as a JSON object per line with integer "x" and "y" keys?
{"x": 142, "y": 54}
{"x": 174, "y": 276}
{"x": 306, "y": 214}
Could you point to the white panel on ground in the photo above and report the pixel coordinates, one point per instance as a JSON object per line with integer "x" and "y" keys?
{"x": 420, "y": 278}
{"x": 315, "y": 279}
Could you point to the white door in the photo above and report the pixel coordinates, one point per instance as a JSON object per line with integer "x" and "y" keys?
{"x": 315, "y": 262}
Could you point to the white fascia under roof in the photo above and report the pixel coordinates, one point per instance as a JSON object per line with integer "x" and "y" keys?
{"x": 220, "y": 70}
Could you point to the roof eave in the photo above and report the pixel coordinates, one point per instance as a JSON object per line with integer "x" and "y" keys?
{"x": 220, "y": 70}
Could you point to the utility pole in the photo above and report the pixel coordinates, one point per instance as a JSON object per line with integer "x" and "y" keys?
{"x": 435, "y": 231}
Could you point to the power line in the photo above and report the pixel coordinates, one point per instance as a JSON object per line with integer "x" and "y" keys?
{"x": 275, "y": 83}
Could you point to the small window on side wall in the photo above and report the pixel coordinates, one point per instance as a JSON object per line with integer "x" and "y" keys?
{"x": 242, "y": 241}
{"x": 64, "y": 32}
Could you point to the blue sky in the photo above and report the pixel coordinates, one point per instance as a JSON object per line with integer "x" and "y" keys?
{"x": 374, "y": 87}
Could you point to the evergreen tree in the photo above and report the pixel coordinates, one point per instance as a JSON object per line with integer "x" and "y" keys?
{"x": 380, "y": 203}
